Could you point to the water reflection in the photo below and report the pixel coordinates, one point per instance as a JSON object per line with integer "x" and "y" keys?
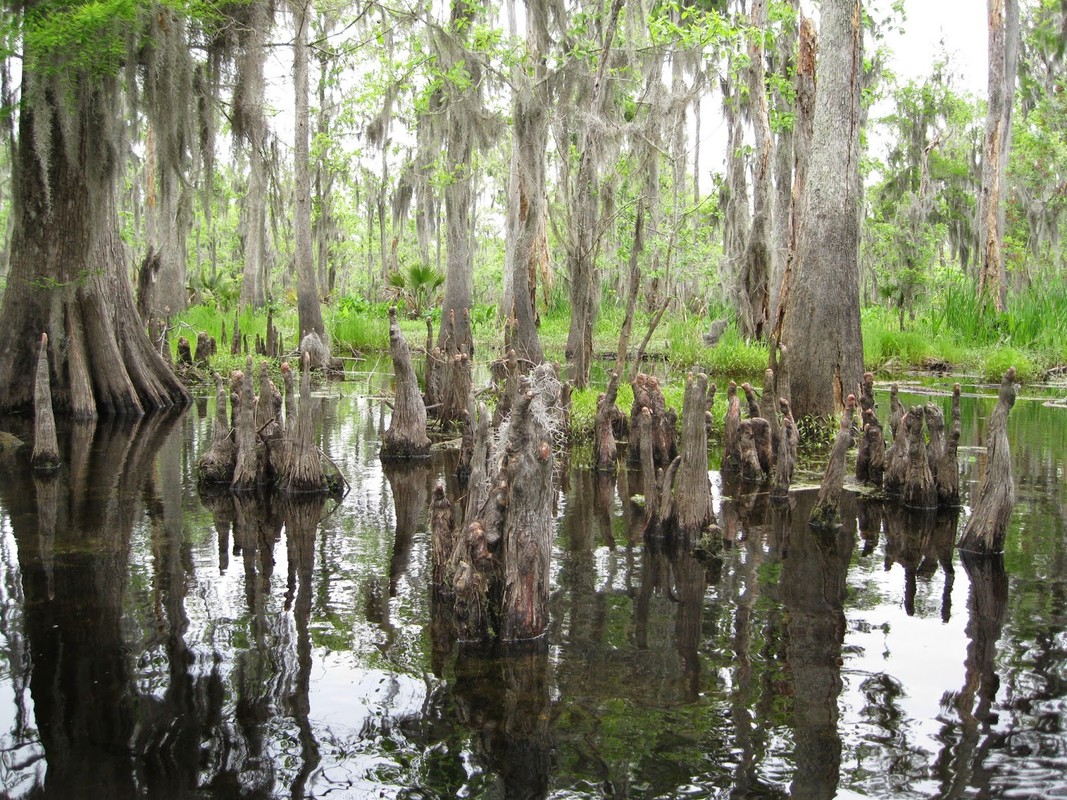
{"x": 154, "y": 643}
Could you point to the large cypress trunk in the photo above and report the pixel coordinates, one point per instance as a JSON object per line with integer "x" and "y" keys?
{"x": 69, "y": 269}
{"x": 821, "y": 323}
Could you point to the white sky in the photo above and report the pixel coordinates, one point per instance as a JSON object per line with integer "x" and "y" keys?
{"x": 956, "y": 27}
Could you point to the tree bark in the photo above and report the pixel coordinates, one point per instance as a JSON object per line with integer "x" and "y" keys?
{"x": 302, "y": 472}
{"x": 217, "y": 464}
{"x": 685, "y": 507}
{"x": 45, "y": 444}
{"x": 821, "y": 324}
{"x": 1003, "y": 52}
{"x": 527, "y": 194}
{"x": 583, "y": 239}
{"x": 309, "y": 310}
{"x": 870, "y": 459}
{"x": 605, "y": 451}
{"x": 991, "y": 510}
{"x": 250, "y": 126}
{"x": 947, "y": 470}
{"x": 787, "y": 453}
{"x": 827, "y": 514}
{"x": 753, "y": 292}
{"x": 406, "y": 436}
{"x": 69, "y": 271}
{"x": 919, "y": 490}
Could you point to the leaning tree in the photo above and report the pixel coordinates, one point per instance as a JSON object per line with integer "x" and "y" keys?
{"x": 69, "y": 268}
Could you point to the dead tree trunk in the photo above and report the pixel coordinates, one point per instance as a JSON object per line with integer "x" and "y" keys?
{"x": 935, "y": 435}
{"x": 45, "y": 443}
{"x": 787, "y": 453}
{"x": 988, "y": 525}
{"x": 303, "y": 467}
{"x": 947, "y": 470}
{"x": 826, "y": 514}
{"x": 870, "y": 459}
{"x": 605, "y": 451}
{"x": 685, "y": 508}
{"x": 217, "y": 464}
{"x": 919, "y": 490}
{"x": 406, "y": 437}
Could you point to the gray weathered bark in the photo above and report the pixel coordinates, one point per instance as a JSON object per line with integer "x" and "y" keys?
{"x": 821, "y": 323}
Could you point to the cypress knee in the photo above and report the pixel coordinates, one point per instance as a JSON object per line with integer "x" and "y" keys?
{"x": 947, "y": 472}
{"x": 731, "y": 435}
{"x": 919, "y": 490}
{"x": 870, "y": 458}
{"x": 217, "y": 464}
{"x": 787, "y": 453}
{"x": 826, "y": 513}
{"x": 45, "y": 442}
{"x": 246, "y": 470}
{"x": 605, "y": 450}
{"x": 303, "y": 466}
{"x": 406, "y": 436}
{"x": 988, "y": 526}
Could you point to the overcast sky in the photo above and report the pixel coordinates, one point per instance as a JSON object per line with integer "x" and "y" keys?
{"x": 955, "y": 27}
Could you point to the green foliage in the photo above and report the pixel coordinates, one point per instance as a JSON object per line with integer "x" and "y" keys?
{"x": 88, "y": 37}
{"x": 358, "y": 325}
{"x": 416, "y": 288}
{"x": 996, "y": 362}
{"x": 734, "y": 358}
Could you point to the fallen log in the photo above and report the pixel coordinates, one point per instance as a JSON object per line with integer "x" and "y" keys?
{"x": 987, "y": 527}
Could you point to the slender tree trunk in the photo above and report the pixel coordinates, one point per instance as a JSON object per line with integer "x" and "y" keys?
{"x": 1003, "y": 52}
{"x": 582, "y": 233}
{"x": 527, "y": 208}
{"x": 307, "y": 290}
{"x": 252, "y": 127}
{"x": 753, "y": 293}
{"x": 821, "y": 323}
{"x": 455, "y": 331}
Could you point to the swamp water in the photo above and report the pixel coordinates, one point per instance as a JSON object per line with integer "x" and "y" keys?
{"x": 151, "y": 646}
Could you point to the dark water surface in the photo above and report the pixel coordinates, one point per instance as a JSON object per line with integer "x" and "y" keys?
{"x": 154, "y": 646}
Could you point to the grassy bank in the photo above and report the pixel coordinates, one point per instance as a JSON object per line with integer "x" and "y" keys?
{"x": 954, "y": 334}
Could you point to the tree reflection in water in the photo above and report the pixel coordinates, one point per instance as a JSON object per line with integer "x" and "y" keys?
{"x": 264, "y": 648}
